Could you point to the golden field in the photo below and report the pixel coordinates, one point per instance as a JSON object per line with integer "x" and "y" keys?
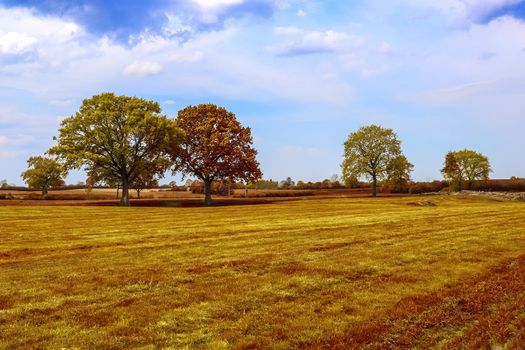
{"x": 343, "y": 273}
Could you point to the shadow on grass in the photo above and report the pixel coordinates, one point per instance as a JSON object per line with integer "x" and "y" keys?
{"x": 185, "y": 203}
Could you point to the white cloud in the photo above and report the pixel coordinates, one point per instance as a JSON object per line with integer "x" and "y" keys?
{"x": 16, "y": 140}
{"x": 189, "y": 57}
{"x": 300, "y": 13}
{"x": 217, "y": 3}
{"x": 310, "y": 42}
{"x": 290, "y": 30}
{"x": 142, "y": 68}
{"x": 15, "y": 43}
{"x": 211, "y": 9}
{"x": 175, "y": 26}
{"x": 477, "y": 10}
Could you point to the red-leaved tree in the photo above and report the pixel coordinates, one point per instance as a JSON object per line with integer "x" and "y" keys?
{"x": 215, "y": 146}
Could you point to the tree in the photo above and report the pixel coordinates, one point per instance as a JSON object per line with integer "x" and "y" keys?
{"x": 465, "y": 166}
{"x": 44, "y": 173}
{"x": 215, "y": 146}
{"x": 96, "y": 176}
{"x": 265, "y": 185}
{"x": 369, "y": 152}
{"x": 451, "y": 172}
{"x": 116, "y": 137}
{"x": 398, "y": 174}
{"x": 147, "y": 178}
{"x": 287, "y": 183}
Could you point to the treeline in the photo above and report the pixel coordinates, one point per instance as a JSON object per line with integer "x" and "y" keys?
{"x": 127, "y": 142}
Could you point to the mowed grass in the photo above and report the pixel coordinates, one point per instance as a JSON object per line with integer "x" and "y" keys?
{"x": 333, "y": 273}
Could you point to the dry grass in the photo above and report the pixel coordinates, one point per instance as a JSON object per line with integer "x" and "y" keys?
{"x": 332, "y": 273}
{"x": 95, "y": 194}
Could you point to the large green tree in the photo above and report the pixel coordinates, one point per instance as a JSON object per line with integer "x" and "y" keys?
{"x": 372, "y": 152}
{"x": 465, "y": 166}
{"x": 215, "y": 147}
{"x": 44, "y": 173}
{"x": 116, "y": 137}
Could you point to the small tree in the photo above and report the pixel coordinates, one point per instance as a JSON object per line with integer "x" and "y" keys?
{"x": 44, "y": 173}
{"x": 288, "y": 183}
{"x": 147, "y": 178}
{"x": 465, "y": 166}
{"x": 265, "y": 185}
{"x": 398, "y": 174}
{"x": 101, "y": 176}
{"x": 369, "y": 152}
{"x": 215, "y": 146}
{"x": 116, "y": 136}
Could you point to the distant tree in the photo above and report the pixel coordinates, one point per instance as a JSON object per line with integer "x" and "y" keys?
{"x": 3, "y": 184}
{"x": 265, "y": 185}
{"x": 398, "y": 174}
{"x": 100, "y": 176}
{"x": 334, "y": 178}
{"x": 287, "y": 183}
{"x": 465, "y": 166}
{"x": 215, "y": 147}
{"x": 44, "y": 173}
{"x": 115, "y": 137}
{"x": 148, "y": 177}
{"x": 369, "y": 152}
{"x": 351, "y": 181}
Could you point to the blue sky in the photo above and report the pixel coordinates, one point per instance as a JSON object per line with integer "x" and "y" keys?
{"x": 302, "y": 74}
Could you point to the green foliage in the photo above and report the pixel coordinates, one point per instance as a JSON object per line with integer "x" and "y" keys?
{"x": 371, "y": 152}
{"x": 264, "y": 185}
{"x": 465, "y": 166}
{"x": 398, "y": 174}
{"x": 114, "y": 138}
{"x": 44, "y": 173}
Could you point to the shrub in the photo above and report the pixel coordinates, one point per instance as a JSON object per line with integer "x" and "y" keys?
{"x": 426, "y": 187}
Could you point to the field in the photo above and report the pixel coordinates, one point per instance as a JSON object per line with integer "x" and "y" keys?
{"x": 385, "y": 273}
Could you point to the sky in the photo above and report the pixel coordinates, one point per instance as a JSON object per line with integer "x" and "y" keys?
{"x": 302, "y": 74}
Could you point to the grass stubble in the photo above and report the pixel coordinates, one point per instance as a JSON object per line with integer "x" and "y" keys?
{"x": 315, "y": 273}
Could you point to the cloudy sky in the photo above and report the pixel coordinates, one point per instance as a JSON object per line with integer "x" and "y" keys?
{"x": 302, "y": 74}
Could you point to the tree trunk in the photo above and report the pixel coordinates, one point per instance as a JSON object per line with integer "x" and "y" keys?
{"x": 374, "y": 186}
{"x": 124, "y": 200}
{"x": 460, "y": 185}
{"x": 118, "y": 190}
{"x": 207, "y": 192}
{"x": 44, "y": 193}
